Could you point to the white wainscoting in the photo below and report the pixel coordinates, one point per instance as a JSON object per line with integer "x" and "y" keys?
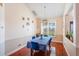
{"x": 69, "y": 47}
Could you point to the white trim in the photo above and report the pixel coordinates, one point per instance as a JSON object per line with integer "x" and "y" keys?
{"x": 66, "y": 50}
{"x": 58, "y": 41}
{"x": 15, "y": 50}
{"x": 71, "y": 44}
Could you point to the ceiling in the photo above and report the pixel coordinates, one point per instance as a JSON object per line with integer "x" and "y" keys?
{"x": 45, "y": 10}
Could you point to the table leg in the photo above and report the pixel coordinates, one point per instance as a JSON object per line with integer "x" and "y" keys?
{"x": 31, "y": 52}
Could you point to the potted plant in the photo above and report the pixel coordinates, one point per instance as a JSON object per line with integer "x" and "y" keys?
{"x": 67, "y": 35}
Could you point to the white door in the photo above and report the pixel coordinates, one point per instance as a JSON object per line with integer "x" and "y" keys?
{"x": 2, "y": 31}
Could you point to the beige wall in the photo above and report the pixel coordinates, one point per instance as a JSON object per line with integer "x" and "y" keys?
{"x": 59, "y": 29}
{"x": 59, "y": 26}
{"x": 77, "y": 28}
{"x": 16, "y": 35}
{"x": 38, "y": 25}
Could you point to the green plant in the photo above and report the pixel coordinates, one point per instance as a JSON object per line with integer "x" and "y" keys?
{"x": 69, "y": 35}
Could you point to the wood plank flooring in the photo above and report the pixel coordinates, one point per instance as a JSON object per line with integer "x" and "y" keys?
{"x": 60, "y": 51}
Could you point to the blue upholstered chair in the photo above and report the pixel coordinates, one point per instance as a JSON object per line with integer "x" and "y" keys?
{"x": 29, "y": 44}
{"x": 34, "y": 47}
{"x": 50, "y": 43}
{"x": 45, "y": 35}
{"x": 33, "y": 37}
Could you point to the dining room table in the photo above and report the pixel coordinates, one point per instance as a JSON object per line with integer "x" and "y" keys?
{"x": 42, "y": 42}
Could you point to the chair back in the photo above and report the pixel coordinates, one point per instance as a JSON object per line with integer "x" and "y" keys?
{"x": 35, "y": 46}
{"x": 37, "y": 35}
{"x": 46, "y": 35}
{"x": 28, "y": 44}
{"x": 33, "y": 37}
{"x": 50, "y": 41}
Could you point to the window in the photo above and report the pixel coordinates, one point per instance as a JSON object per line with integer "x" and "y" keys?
{"x": 52, "y": 27}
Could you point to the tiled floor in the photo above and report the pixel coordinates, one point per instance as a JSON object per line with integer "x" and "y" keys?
{"x": 60, "y": 51}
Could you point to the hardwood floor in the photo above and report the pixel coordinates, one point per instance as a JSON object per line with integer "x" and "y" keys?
{"x": 60, "y": 51}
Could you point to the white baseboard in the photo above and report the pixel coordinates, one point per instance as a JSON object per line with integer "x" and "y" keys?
{"x": 15, "y": 50}
{"x": 66, "y": 50}
{"x": 58, "y": 41}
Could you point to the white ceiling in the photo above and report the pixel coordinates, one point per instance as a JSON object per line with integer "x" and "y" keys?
{"x": 45, "y": 10}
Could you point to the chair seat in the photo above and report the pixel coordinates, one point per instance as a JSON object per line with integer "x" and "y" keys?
{"x": 33, "y": 37}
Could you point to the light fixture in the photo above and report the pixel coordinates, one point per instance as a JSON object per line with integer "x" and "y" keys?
{"x": 44, "y": 11}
